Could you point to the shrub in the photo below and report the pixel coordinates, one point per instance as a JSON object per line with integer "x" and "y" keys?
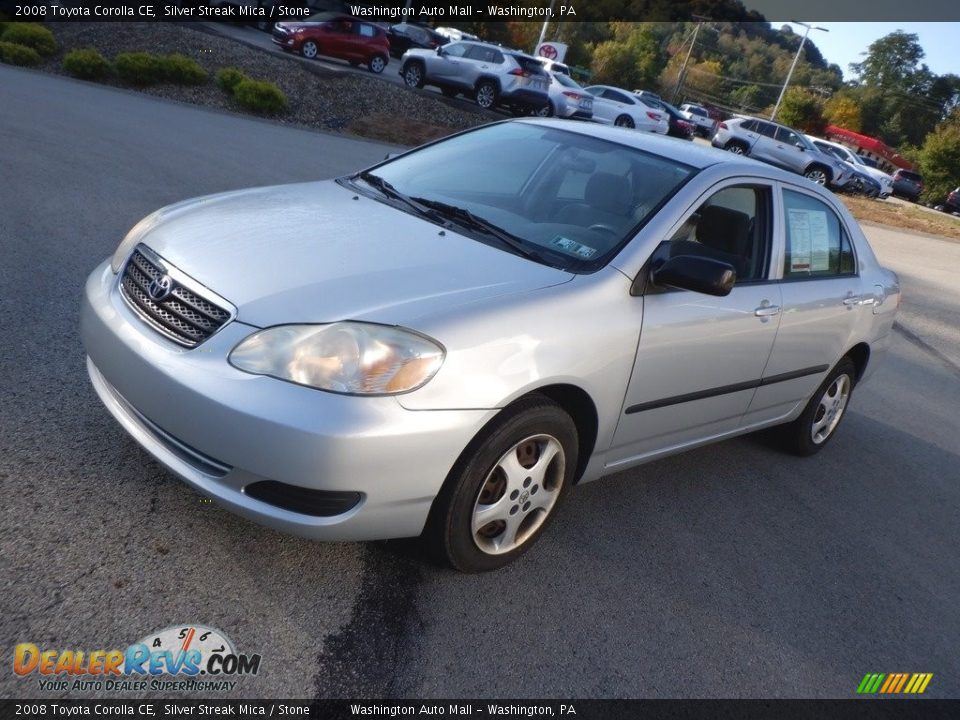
{"x": 139, "y": 68}
{"x": 229, "y": 77}
{"x": 183, "y": 70}
{"x": 31, "y": 35}
{"x": 86, "y": 64}
{"x": 14, "y": 54}
{"x": 260, "y": 97}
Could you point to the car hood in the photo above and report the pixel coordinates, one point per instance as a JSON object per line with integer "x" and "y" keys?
{"x": 318, "y": 252}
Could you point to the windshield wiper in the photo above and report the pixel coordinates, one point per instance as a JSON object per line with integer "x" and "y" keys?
{"x": 467, "y": 219}
{"x": 391, "y": 192}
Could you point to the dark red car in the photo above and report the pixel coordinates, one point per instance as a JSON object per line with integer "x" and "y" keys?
{"x": 340, "y": 36}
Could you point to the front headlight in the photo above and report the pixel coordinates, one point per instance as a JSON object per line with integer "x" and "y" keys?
{"x": 131, "y": 240}
{"x": 345, "y": 357}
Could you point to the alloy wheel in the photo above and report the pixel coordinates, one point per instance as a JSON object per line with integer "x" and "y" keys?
{"x": 833, "y": 402}
{"x": 818, "y": 176}
{"x": 518, "y": 494}
{"x": 735, "y": 149}
{"x": 377, "y": 65}
{"x": 486, "y": 95}
{"x": 412, "y": 76}
{"x": 310, "y": 49}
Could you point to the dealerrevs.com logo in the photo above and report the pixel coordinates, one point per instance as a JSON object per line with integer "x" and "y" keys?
{"x": 179, "y": 658}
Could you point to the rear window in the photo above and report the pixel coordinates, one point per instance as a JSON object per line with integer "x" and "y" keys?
{"x": 530, "y": 64}
{"x": 911, "y": 176}
{"x": 566, "y": 81}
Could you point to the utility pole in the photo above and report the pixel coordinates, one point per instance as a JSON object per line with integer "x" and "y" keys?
{"x": 793, "y": 65}
{"x": 543, "y": 30}
{"x": 683, "y": 68}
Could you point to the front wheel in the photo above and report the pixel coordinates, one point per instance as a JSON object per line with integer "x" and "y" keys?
{"x": 486, "y": 95}
{"x": 310, "y": 49}
{"x": 377, "y": 64}
{"x": 505, "y": 489}
{"x": 546, "y": 110}
{"x": 624, "y": 121}
{"x": 736, "y": 148}
{"x": 818, "y": 175}
{"x": 810, "y": 432}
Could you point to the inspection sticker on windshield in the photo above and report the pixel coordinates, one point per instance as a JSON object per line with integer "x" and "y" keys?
{"x": 573, "y": 247}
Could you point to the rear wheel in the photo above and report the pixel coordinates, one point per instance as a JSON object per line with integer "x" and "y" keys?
{"x": 377, "y": 64}
{"x": 413, "y": 74}
{"x": 624, "y": 121}
{"x": 504, "y": 491}
{"x": 486, "y": 94}
{"x": 736, "y": 148}
{"x": 810, "y": 432}
{"x": 310, "y": 49}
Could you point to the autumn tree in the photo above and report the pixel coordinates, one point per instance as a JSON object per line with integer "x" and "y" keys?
{"x": 801, "y": 110}
{"x": 843, "y": 111}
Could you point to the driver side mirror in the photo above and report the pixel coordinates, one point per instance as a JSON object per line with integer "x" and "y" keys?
{"x": 801, "y": 147}
{"x": 699, "y": 274}
{"x": 440, "y": 51}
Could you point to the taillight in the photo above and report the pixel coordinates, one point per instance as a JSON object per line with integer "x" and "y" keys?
{"x": 723, "y": 126}
{"x": 653, "y": 115}
{"x": 519, "y": 72}
{"x": 572, "y": 95}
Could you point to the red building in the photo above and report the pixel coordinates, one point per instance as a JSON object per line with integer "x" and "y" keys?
{"x": 885, "y": 156}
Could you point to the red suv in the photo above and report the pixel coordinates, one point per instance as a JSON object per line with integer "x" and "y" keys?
{"x": 340, "y": 36}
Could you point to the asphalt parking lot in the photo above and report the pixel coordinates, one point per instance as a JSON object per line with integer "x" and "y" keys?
{"x": 730, "y": 571}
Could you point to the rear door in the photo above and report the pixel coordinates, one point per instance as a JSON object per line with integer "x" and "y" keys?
{"x": 822, "y": 298}
{"x": 764, "y": 138}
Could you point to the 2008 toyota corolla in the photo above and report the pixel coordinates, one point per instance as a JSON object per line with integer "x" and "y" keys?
{"x": 445, "y": 343}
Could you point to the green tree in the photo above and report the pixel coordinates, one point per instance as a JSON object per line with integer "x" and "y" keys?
{"x": 802, "y": 110}
{"x": 632, "y": 59}
{"x": 892, "y": 62}
{"x": 940, "y": 161}
{"x": 843, "y": 111}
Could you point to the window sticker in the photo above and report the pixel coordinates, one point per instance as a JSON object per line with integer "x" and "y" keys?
{"x": 798, "y": 222}
{"x": 573, "y": 247}
{"x": 819, "y": 241}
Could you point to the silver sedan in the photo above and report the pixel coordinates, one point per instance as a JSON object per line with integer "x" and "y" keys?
{"x": 420, "y": 350}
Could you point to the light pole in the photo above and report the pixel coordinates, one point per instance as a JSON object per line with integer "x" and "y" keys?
{"x": 543, "y": 30}
{"x": 793, "y": 65}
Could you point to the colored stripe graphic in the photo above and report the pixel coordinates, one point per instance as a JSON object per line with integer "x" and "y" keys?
{"x": 894, "y": 683}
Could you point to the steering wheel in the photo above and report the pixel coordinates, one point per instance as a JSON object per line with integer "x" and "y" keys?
{"x": 606, "y": 228}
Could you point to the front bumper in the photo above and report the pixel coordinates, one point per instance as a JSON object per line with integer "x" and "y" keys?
{"x": 222, "y": 430}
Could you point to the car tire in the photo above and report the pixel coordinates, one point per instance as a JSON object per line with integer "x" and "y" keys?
{"x": 546, "y": 111}
{"x": 485, "y": 94}
{"x": 310, "y": 49}
{"x": 818, "y": 423}
{"x": 413, "y": 74}
{"x": 505, "y": 488}
{"x": 624, "y": 121}
{"x": 818, "y": 174}
{"x": 735, "y": 147}
{"x": 377, "y": 64}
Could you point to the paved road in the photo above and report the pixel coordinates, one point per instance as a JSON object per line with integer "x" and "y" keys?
{"x": 729, "y": 571}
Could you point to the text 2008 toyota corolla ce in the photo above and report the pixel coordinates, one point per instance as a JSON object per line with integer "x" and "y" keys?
{"x": 445, "y": 343}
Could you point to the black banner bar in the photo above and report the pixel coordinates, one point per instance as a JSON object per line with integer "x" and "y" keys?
{"x": 454, "y": 11}
{"x": 857, "y": 709}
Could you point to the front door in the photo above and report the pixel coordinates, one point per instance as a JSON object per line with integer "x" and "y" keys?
{"x": 700, "y": 358}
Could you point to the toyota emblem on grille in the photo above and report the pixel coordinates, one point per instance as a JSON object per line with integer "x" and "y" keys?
{"x": 160, "y": 287}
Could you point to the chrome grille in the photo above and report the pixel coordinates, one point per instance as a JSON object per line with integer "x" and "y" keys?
{"x": 182, "y": 316}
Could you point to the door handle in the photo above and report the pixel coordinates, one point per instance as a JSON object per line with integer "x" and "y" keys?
{"x": 767, "y": 310}
{"x": 853, "y": 300}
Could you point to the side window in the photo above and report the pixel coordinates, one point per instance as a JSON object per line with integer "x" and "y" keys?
{"x": 365, "y": 30}
{"x": 455, "y": 49}
{"x": 817, "y": 245}
{"x": 766, "y": 129}
{"x": 731, "y": 226}
{"x": 617, "y": 97}
{"x": 789, "y": 137}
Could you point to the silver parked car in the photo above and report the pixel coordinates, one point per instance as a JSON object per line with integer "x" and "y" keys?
{"x": 859, "y": 164}
{"x": 614, "y": 106}
{"x": 415, "y": 349}
{"x": 704, "y": 124}
{"x": 781, "y": 146}
{"x": 491, "y": 75}
{"x": 567, "y": 98}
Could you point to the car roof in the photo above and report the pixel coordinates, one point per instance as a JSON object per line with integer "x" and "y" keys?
{"x": 693, "y": 154}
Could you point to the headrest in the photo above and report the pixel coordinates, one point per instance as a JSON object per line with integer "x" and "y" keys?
{"x": 724, "y": 229}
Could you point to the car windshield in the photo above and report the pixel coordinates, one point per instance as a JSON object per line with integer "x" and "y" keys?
{"x": 562, "y": 198}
